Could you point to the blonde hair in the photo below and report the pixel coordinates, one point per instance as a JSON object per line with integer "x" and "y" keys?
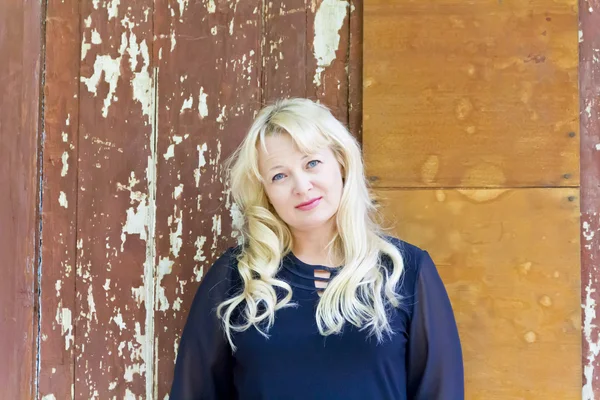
{"x": 363, "y": 289}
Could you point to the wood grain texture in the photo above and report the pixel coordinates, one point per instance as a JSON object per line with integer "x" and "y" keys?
{"x": 471, "y": 94}
{"x": 589, "y": 83}
{"x": 306, "y": 52}
{"x": 510, "y": 262}
{"x": 116, "y": 203}
{"x": 208, "y": 91}
{"x": 20, "y": 68}
{"x": 60, "y": 171}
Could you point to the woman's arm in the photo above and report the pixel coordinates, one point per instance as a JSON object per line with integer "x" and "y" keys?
{"x": 434, "y": 360}
{"x": 204, "y": 360}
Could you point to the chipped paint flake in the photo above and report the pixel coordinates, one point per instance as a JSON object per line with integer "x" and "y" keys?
{"x": 211, "y": 7}
{"x": 165, "y": 267}
{"x": 65, "y": 164}
{"x": 118, "y": 319}
{"x": 589, "y": 315}
{"x": 329, "y": 19}
{"x": 96, "y": 39}
{"x": 201, "y": 162}
{"x": 49, "y": 397}
{"x": 64, "y": 320}
{"x": 109, "y": 68}
{"x": 182, "y": 6}
{"x": 187, "y": 104}
{"x": 112, "y": 8}
{"x": 62, "y": 200}
{"x": 202, "y": 103}
{"x": 170, "y": 152}
{"x": 175, "y": 236}
{"x": 177, "y": 191}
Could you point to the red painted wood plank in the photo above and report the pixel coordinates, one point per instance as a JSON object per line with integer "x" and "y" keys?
{"x": 20, "y": 42}
{"x": 208, "y": 61}
{"x": 589, "y": 86}
{"x": 60, "y": 171}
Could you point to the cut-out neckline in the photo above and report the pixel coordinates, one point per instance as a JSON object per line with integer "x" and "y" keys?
{"x": 320, "y": 277}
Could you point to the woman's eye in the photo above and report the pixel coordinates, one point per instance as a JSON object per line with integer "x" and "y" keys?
{"x": 277, "y": 177}
{"x": 313, "y": 163}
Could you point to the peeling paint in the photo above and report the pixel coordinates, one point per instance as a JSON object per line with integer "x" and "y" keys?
{"x": 62, "y": 200}
{"x": 165, "y": 267}
{"x": 201, "y": 162}
{"x": 202, "y": 104}
{"x": 589, "y": 315}
{"x": 187, "y": 104}
{"x": 175, "y": 236}
{"x": 65, "y": 167}
{"x": 329, "y": 19}
{"x": 109, "y": 68}
{"x": 211, "y": 7}
{"x": 64, "y": 320}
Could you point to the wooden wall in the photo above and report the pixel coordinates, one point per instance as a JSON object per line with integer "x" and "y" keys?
{"x": 471, "y": 137}
{"x": 143, "y": 101}
{"x": 115, "y": 117}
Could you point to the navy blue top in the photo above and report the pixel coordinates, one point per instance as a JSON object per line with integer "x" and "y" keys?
{"x": 421, "y": 361}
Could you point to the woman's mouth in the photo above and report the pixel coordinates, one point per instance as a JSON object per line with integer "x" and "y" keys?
{"x": 309, "y": 205}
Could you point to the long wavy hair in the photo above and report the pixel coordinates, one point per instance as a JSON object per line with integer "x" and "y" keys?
{"x": 363, "y": 290}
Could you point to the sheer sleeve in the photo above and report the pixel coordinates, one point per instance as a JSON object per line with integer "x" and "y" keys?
{"x": 434, "y": 359}
{"x": 203, "y": 369}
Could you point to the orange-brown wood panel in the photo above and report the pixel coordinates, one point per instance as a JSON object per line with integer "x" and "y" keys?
{"x": 510, "y": 262}
{"x": 471, "y": 94}
{"x": 20, "y": 67}
{"x": 60, "y": 171}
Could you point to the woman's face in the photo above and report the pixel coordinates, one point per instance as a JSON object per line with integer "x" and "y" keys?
{"x": 304, "y": 190}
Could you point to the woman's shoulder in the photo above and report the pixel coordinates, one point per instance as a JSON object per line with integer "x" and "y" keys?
{"x": 222, "y": 277}
{"x": 412, "y": 255}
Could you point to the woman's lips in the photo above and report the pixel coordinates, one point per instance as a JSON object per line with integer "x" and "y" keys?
{"x": 310, "y": 205}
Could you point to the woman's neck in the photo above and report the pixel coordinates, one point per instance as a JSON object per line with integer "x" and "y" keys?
{"x": 311, "y": 246}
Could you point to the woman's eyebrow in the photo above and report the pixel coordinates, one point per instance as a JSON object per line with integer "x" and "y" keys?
{"x": 281, "y": 166}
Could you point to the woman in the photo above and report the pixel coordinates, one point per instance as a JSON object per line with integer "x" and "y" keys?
{"x": 317, "y": 303}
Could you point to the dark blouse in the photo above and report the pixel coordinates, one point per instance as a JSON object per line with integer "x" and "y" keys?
{"x": 421, "y": 361}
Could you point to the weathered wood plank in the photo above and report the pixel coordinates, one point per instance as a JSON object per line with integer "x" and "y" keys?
{"x": 306, "y": 52}
{"x": 589, "y": 83}
{"x": 20, "y": 47}
{"x": 208, "y": 61}
{"x": 60, "y": 171}
{"x": 116, "y": 203}
{"x": 510, "y": 262}
{"x": 471, "y": 94}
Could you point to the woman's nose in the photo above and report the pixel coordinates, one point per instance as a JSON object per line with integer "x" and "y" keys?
{"x": 302, "y": 184}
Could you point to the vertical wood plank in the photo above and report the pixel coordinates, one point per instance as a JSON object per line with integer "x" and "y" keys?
{"x": 20, "y": 63}
{"x": 306, "y": 52}
{"x": 116, "y": 203}
{"x": 208, "y": 60}
{"x": 589, "y": 86}
{"x": 355, "y": 69}
{"x": 60, "y": 171}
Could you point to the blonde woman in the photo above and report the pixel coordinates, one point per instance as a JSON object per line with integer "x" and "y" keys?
{"x": 317, "y": 303}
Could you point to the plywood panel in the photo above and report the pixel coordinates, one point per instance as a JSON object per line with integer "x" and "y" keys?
{"x": 471, "y": 94}
{"x": 20, "y": 60}
{"x": 510, "y": 262}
